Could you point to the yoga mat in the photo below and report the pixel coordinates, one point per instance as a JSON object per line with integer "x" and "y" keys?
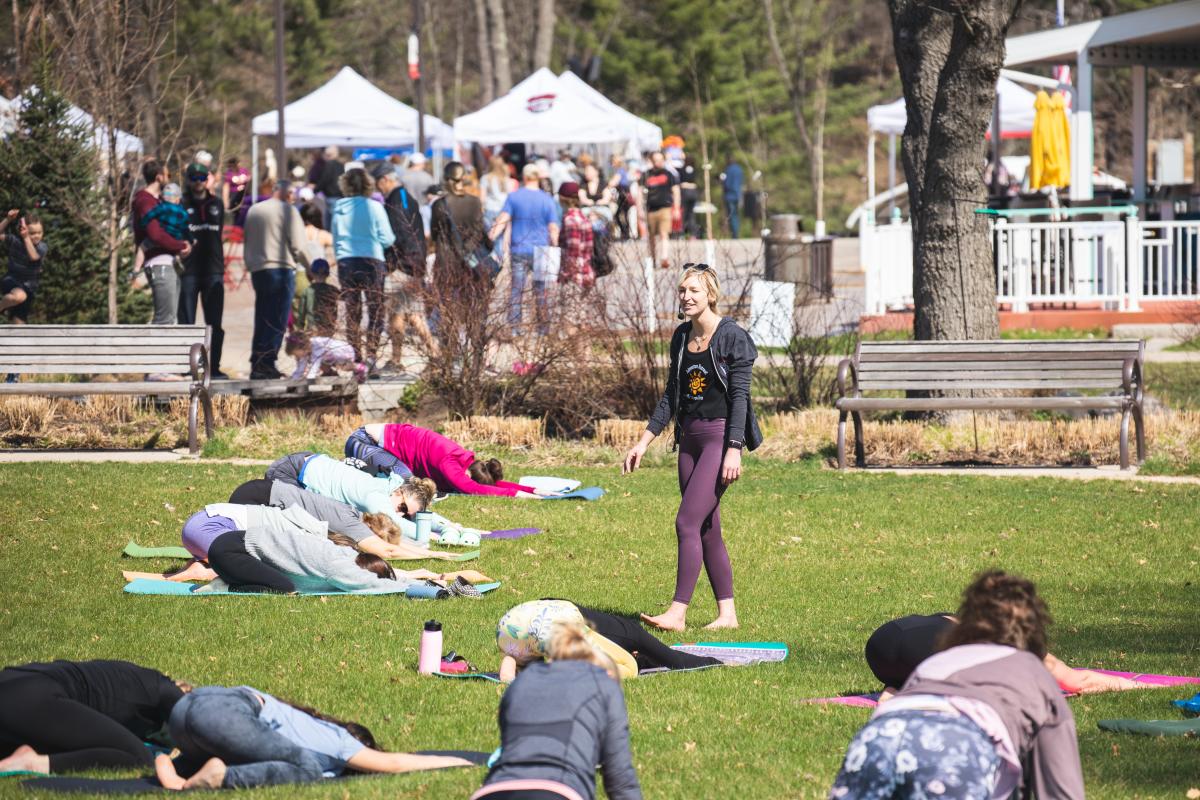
{"x": 590, "y": 493}
{"x": 1153, "y": 727}
{"x": 135, "y": 550}
{"x": 14, "y": 773}
{"x": 546, "y": 483}
{"x": 146, "y": 586}
{"x": 737, "y": 652}
{"x": 855, "y": 700}
{"x": 512, "y": 533}
{"x": 470, "y": 555}
{"x": 494, "y": 677}
{"x": 1148, "y": 678}
{"x": 148, "y": 784}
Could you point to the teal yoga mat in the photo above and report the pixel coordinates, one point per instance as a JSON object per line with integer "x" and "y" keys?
{"x": 135, "y": 550}
{"x": 177, "y": 589}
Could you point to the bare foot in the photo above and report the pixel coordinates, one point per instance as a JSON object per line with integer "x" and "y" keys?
{"x": 721, "y": 622}
{"x": 665, "y": 622}
{"x": 164, "y": 770}
{"x": 210, "y": 776}
{"x": 194, "y": 571}
{"x": 25, "y": 759}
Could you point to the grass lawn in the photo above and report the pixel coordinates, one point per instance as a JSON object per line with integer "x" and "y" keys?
{"x": 820, "y": 559}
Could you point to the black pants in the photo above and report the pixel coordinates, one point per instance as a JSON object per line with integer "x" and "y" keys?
{"x": 35, "y": 710}
{"x": 210, "y": 289}
{"x": 629, "y": 635}
{"x": 287, "y": 469}
{"x": 252, "y": 493}
{"x": 228, "y": 557}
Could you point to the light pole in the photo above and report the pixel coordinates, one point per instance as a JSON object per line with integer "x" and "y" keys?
{"x": 280, "y": 93}
{"x": 414, "y": 70}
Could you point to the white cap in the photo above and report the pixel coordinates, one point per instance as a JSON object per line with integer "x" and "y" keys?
{"x": 203, "y": 157}
{"x": 306, "y": 193}
{"x": 416, "y": 159}
{"x": 354, "y": 165}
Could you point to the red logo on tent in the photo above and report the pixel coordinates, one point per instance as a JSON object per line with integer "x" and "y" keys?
{"x": 539, "y": 103}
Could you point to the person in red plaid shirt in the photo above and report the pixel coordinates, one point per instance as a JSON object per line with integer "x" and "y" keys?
{"x": 576, "y": 240}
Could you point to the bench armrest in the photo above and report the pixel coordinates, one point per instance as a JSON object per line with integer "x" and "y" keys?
{"x": 198, "y": 359}
{"x": 1131, "y": 380}
{"x": 846, "y": 368}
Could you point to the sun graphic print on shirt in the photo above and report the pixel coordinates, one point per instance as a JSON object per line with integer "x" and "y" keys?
{"x": 697, "y": 381}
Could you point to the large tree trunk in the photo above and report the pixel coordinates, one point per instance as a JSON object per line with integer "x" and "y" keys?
{"x": 487, "y": 78}
{"x": 545, "y": 34}
{"x": 499, "y": 37}
{"x": 949, "y": 59}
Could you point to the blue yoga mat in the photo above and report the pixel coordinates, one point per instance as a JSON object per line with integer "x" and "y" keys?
{"x": 586, "y": 493}
{"x": 150, "y": 586}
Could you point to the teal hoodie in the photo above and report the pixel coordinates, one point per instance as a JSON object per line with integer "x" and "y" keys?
{"x": 360, "y": 228}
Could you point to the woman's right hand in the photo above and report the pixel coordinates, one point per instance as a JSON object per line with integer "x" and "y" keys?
{"x": 633, "y": 459}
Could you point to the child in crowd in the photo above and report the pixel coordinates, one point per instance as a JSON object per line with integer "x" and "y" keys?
{"x": 321, "y": 355}
{"x": 26, "y": 257}
{"x": 317, "y": 306}
{"x": 239, "y": 737}
{"x": 558, "y": 720}
{"x": 980, "y": 719}
{"x": 173, "y": 218}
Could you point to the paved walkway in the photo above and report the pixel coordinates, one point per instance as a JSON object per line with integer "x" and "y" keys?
{"x": 118, "y": 456}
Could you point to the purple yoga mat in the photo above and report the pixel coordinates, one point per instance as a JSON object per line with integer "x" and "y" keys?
{"x": 513, "y": 533}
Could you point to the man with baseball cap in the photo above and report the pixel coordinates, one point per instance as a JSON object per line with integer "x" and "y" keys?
{"x": 204, "y": 269}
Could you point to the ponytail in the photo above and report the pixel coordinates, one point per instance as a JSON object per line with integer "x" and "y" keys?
{"x": 487, "y": 472}
{"x": 376, "y": 565}
{"x": 360, "y": 732}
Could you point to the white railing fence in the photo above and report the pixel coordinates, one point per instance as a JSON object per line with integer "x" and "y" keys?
{"x": 1116, "y": 263}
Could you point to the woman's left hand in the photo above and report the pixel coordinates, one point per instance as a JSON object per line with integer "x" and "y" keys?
{"x": 731, "y": 470}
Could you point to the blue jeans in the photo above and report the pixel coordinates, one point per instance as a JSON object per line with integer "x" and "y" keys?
{"x": 522, "y": 265}
{"x": 210, "y": 290}
{"x": 731, "y": 211}
{"x": 216, "y": 722}
{"x": 918, "y": 754}
{"x": 361, "y": 446}
{"x": 273, "y": 290}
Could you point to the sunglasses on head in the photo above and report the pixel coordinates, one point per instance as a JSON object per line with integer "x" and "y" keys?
{"x": 700, "y": 267}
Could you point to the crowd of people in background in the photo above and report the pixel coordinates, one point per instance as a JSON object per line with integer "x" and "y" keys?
{"x": 342, "y": 253}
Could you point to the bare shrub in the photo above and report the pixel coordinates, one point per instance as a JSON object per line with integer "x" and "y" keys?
{"x": 229, "y": 410}
{"x": 26, "y": 416}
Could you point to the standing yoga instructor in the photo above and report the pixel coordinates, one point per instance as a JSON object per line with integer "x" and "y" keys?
{"x": 708, "y": 397}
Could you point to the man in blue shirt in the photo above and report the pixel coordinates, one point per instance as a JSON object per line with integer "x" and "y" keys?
{"x": 731, "y": 183}
{"x": 531, "y": 218}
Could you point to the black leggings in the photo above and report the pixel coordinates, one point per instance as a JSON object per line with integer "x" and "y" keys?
{"x": 228, "y": 557}
{"x": 35, "y": 710}
{"x": 631, "y": 636}
{"x": 253, "y": 493}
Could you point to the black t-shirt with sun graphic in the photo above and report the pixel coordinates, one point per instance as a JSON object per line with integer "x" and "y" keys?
{"x": 701, "y": 393}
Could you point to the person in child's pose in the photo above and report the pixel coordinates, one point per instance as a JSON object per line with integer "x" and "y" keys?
{"x": 558, "y": 720}
{"x": 75, "y": 715}
{"x": 897, "y": 647}
{"x": 173, "y": 218}
{"x": 239, "y": 737}
{"x": 317, "y": 306}
{"x": 409, "y": 450}
{"x": 321, "y": 355}
{"x": 708, "y": 399}
{"x": 982, "y": 719}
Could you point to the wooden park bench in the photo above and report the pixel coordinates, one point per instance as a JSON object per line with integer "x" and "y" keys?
{"x": 118, "y": 350}
{"x": 983, "y": 376}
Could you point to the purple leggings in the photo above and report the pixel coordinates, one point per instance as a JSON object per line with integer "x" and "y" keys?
{"x": 698, "y": 523}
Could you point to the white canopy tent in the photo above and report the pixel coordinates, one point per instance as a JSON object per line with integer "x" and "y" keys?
{"x": 350, "y": 111}
{"x": 127, "y": 143}
{"x": 548, "y": 109}
{"x": 1163, "y": 36}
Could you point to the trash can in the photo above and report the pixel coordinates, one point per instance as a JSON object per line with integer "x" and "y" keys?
{"x": 795, "y": 258}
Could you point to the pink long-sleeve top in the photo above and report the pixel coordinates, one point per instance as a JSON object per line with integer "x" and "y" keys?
{"x": 430, "y": 455}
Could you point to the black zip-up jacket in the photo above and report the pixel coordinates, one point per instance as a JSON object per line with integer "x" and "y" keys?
{"x": 404, "y": 215}
{"x": 733, "y": 354}
{"x": 205, "y": 219}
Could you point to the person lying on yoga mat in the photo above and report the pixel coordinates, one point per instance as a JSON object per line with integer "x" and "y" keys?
{"x": 558, "y": 720}
{"x": 979, "y": 719}
{"x": 896, "y": 648}
{"x": 75, "y": 715}
{"x": 269, "y": 559}
{"x": 407, "y": 449}
{"x": 393, "y": 496}
{"x": 524, "y": 631}
{"x": 239, "y": 737}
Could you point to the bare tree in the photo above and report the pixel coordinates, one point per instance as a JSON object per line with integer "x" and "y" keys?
{"x": 803, "y": 57}
{"x": 498, "y": 35}
{"x": 949, "y": 53}
{"x": 113, "y": 61}
{"x": 487, "y": 77}
{"x": 544, "y": 39}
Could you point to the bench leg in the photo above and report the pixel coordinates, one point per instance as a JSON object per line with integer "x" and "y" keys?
{"x": 1139, "y": 429}
{"x": 860, "y": 449}
{"x": 206, "y": 400}
{"x": 193, "y": 408}
{"x": 841, "y": 440}
{"x": 1125, "y": 438}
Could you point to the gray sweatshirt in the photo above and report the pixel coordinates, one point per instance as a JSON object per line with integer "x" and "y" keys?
{"x": 1013, "y": 697}
{"x": 340, "y": 517}
{"x": 316, "y": 564}
{"x": 557, "y": 722}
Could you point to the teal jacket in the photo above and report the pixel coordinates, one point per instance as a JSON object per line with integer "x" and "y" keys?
{"x": 360, "y": 228}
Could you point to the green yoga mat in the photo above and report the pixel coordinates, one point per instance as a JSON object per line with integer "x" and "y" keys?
{"x": 16, "y": 773}
{"x": 1153, "y": 727}
{"x": 135, "y": 550}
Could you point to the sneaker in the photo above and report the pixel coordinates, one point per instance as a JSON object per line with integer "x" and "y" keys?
{"x": 11, "y": 378}
{"x": 460, "y": 537}
{"x": 461, "y": 588}
{"x": 439, "y": 497}
{"x": 217, "y": 375}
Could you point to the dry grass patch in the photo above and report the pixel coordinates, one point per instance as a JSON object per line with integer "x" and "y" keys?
{"x": 510, "y": 432}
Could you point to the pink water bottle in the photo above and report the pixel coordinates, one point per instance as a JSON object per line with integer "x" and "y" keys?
{"x": 430, "y": 659}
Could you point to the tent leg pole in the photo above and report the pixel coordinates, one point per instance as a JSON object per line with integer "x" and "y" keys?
{"x": 253, "y": 168}
{"x": 871, "y": 176}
